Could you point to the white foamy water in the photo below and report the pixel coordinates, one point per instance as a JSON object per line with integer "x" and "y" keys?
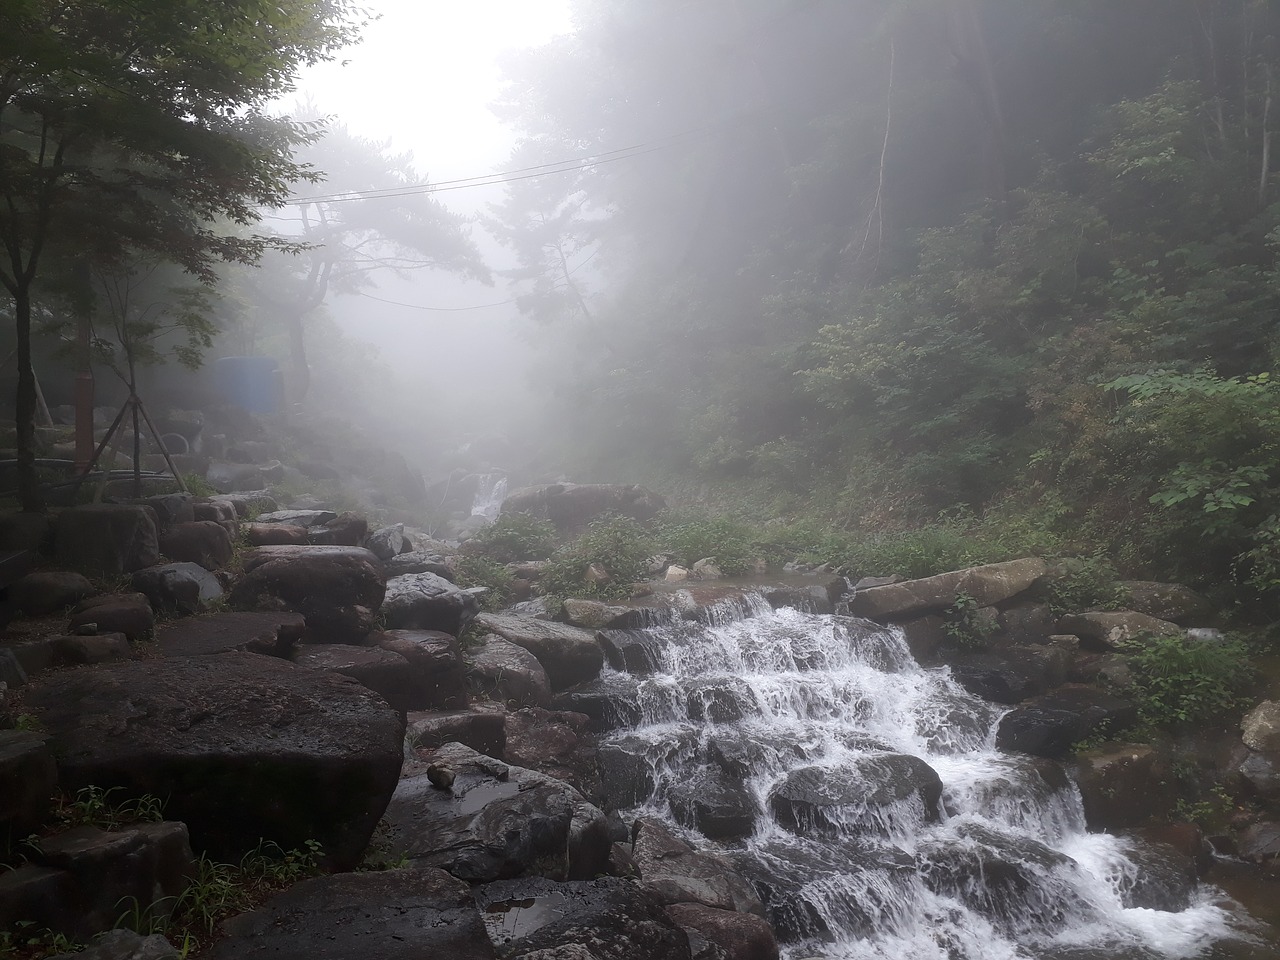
{"x": 1000, "y": 867}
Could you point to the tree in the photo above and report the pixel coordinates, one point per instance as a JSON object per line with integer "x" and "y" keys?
{"x": 129, "y": 131}
{"x": 346, "y": 237}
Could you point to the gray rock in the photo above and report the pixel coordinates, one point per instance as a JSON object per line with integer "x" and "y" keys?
{"x": 298, "y": 518}
{"x": 1105, "y": 630}
{"x": 424, "y": 601}
{"x": 420, "y": 561}
{"x": 568, "y": 654}
{"x": 242, "y": 747}
{"x": 508, "y": 674}
{"x": 742, "y": 936}
{"x": 386, "y": 542}
{"x": 1050, "y": 725}
{"x": 49, "y": 591}
{"x": 205, "y": 542}
{"x": 439, "y": 674}
{"x": 1262, "y": 772}
{"x": 275, "y": 534}
{"x": 674, "y": 872}
{"x": 337, "y": 589}
{"x": 481, "y": 727}
{"x": 28, "y": 776}
{"x": 125, "y": 945}
{"x": 346, "y": 529}
{"x": 496, "y": 821}
{"x": 181, "y": 588}
{"x": 172, "y": 508}
{"x": 1261, "y": 843}
{"x": 1125, "y": 785}
{"x": 1261, "y": 727}
{"x": 717, "y": 806}
{"x": 107, "y": 539}
{"x": 594, "y": 615}
{"x": 268, "y": 633}
{"x": 387, "y": 674}
{"x": 389, "y": 915}
{"x": 251, "y": 502}
{"x": 987, "y": 585}
{"x": 1167, "y": 601}
{"x": 556, "y": 743}
{"x": 127, "y": 613}
{"x": 855, "y": 797}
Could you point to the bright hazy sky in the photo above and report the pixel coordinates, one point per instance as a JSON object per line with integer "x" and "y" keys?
{"x": 425, "y": 74}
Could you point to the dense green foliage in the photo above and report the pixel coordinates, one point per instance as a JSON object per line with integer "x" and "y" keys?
{"x": 884, "y": 260}
{"x": 617, "y": 547}
{"x": 1185, "y": 683}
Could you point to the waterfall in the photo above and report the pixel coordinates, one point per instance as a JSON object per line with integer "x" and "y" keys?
{"x": 491, "y": 490}
{"x": 863, "y": 796}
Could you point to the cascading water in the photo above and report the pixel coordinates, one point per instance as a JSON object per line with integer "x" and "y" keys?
{"x": 864, "y": 798}
{"x": 491, "y": 490}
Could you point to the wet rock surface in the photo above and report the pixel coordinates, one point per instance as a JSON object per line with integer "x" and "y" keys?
{"x": 569, "y": 655}
{"x": 425, "y": 601}
{"x": 506, "y": 673}
{"x": 853, "y": 797}
{"x": 267, "y": 633}
{"x": 1048, "y": 726}
{"x": 674, "y": 872}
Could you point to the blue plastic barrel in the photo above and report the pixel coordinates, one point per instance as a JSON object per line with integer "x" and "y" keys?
{"x": 250, "y": 383}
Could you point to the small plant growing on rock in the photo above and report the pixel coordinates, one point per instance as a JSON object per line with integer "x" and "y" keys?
{"x": 966, "y": 624}
{"x": 94, "y": 806}
{"x": 1085, "y": 583}
{"x": 1181, "y": 682}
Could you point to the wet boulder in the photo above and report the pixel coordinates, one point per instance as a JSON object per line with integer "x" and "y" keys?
{"x": 387, "y": 674}
{"x": 386, "y": 543}
{"x": 1105, "y": 630}
{"x": 1165, "y": 879}
{"x": 491, "y": 820}
{"x": 1011, "y": 675}
{"x": 425, "y": 601}
{"x": 201, "y": 541}
{"x": 988, "y": 585}
{"x": 1260, "y": 728}
{"x": 572, "y": 506}
{"x": 1050, "y": 725}
{"x": 420, "y": 561}
{"x": 1125, "y": 785}
{"x": 181, "y": 588}
{"x": 594, "y": 615}
{"x": 674, "y": 872}
{"x": 49, "y": 591}
{"x": 631, "y": 651}
{"x": 570, "y": 655}
{"x": 274, "y": 634}
{"x": 1173, "y": 602}
{"x": 107, "y": 539}
{"x": 275, "y": 534}
{"x": 127, "y": 613}
{"x": 717, "y": 806}
{"x": 627, "y": 777}
{"x": 389, "y": 915}
{"x": 719, "y": 699}
{"x": 481, "y": 727}
{"x": 337, "y": 589}
{"x": 742, "y": 936}
{"x": 506, "y": 673}
{"x": 242, "y": 747}
{"x": 557, "y": 743}
{"x": 438, "y": 675}
{"x": 869, "y": 794}
{"x": 606, "y": 919}
{"x": 611, "y": 702}
{"x": 344, "y": 530}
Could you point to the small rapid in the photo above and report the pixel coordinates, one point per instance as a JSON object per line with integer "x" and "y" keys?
{"x": 863, "y": 797}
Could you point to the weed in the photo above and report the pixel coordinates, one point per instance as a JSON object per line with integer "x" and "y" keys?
{"x": 28, "y": 940}
{"x": 967, "y": 625}
{"x": 478, "y": 571}
{"x": 514, "y": 537}
{"x": 198, "y": 486}
{"x": 1180, "y": 682}
{"x": 1085, "y": 583}
{"x": 618, "y": 545}
{"x": 94, "y": 806}
{"x": 692, "y": 537}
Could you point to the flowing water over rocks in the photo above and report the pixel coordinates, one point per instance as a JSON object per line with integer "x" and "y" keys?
{"x": 864, "y": 798}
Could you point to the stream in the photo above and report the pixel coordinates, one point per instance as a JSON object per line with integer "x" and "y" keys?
{"x": 863, "y": 796}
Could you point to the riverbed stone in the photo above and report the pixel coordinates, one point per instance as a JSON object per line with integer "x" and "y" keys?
{"x": 557, "y": 743}
{"x": 506, "y": 673}
{"x": 440, "y": 675}
{"x": 1261, "y": 727}
{"x": 387, "y": 674}
{"x": 337, "y": 589}
{"x": 1050, "y": 725}
{"x": 408, "y": 914}
{"x": 1165, "y": 879}
{"x": 674, "y": 872}
{"x": 425, "y": 601}
{"x": 273, "y": 633}
{"x": 854, "y": 798}
{"x": 594, "y": 615}
{"x": 242, "y": 747}
{"x": 1125, "y": 785}
{"x": 716, "y": 805}
{"x": 495, "y": 820}
{"x": 49, "y": 591}
{"x": 1260, "y": 843}
{"x": 127, "y": 613}
{"x": 182, "y": 588}
{"x": 205, "y": 542}
{"x": 604, "y": 919}
{"x": 570, "y": 655}
{"x": 346, "y": 529}
{"x": 988, "y": 585}
{"x": 385, "y": 543}
{"x": 742, "y": 936}
{"x": 107, "y": 539}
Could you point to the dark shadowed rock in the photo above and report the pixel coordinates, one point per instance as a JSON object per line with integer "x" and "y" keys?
{"x": 607, "y": 919}
{"x": 217, "y": 510}
{"x": 495, "y": 821}
{"x": 674, "y": 872}
{"x": 425, "y": 601}
{"x": 569, "y": 655}
{"x": 1172, "y": 602}
{"x": 505, "y": 673}
{"x": 27, "y": 778}
{"x": 181, "y": 588}
{"x": 1048, "y": 726}
{"x": 386, "y": 543}
{"x": 275, "y": 534}
{"x": 482, "y": 728}
{"x": 127, "y": 613}
{"x": 1125, "y": 785}
{"x": 420, "y": 561}
{"x": 742, "y": 936}
{"x": 107, "y": 539}
{"x": 337, "y": 589}
{"x": 205, "y": 542}
{"x": 1010, "y": 675}
{"x": 48, "y": 591}
{"x": 714, "y": 804}
{"x": 250, "y": 502}
{"x": 346, "y": 529}
{"x": 172, "y": 508}
{"x": 988, "y": 585}
{"x": 409, "y": 914}
{"x": 243, "y": 747}
{"x": 387, "y": 674}
{"x": 556, "y": 743}
{"x": 856, "y": 797}
{"x": 269, "y": 633}
{"x": 125, "y": 945}
{"x": 440, "y": 676}
{"x": 631, "y": 651}
{"x": 571, "y": 506}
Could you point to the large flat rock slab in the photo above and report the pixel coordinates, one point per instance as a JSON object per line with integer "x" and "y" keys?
{"x": 242, "y": 747}
{"x": 989, "y": 584}
{"x": 412, "y": 914}
{"x": 569, "y": 655}
{"x": 230, "y": 633}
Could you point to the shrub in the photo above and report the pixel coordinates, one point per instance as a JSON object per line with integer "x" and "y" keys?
{"x": 1180, "y": 682}
{"x": 619, "y": 545}
{"x": 478, "y": 571}
{"x": 516, "y": 536}
{"x": 966, "y": 625}
{"x": 1083, "y": 583}
{"x": 693, "y": 537}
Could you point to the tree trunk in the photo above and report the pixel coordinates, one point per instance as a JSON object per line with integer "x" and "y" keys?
{"x": 29, "y": 496}
{"x": 298, "y": 357}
